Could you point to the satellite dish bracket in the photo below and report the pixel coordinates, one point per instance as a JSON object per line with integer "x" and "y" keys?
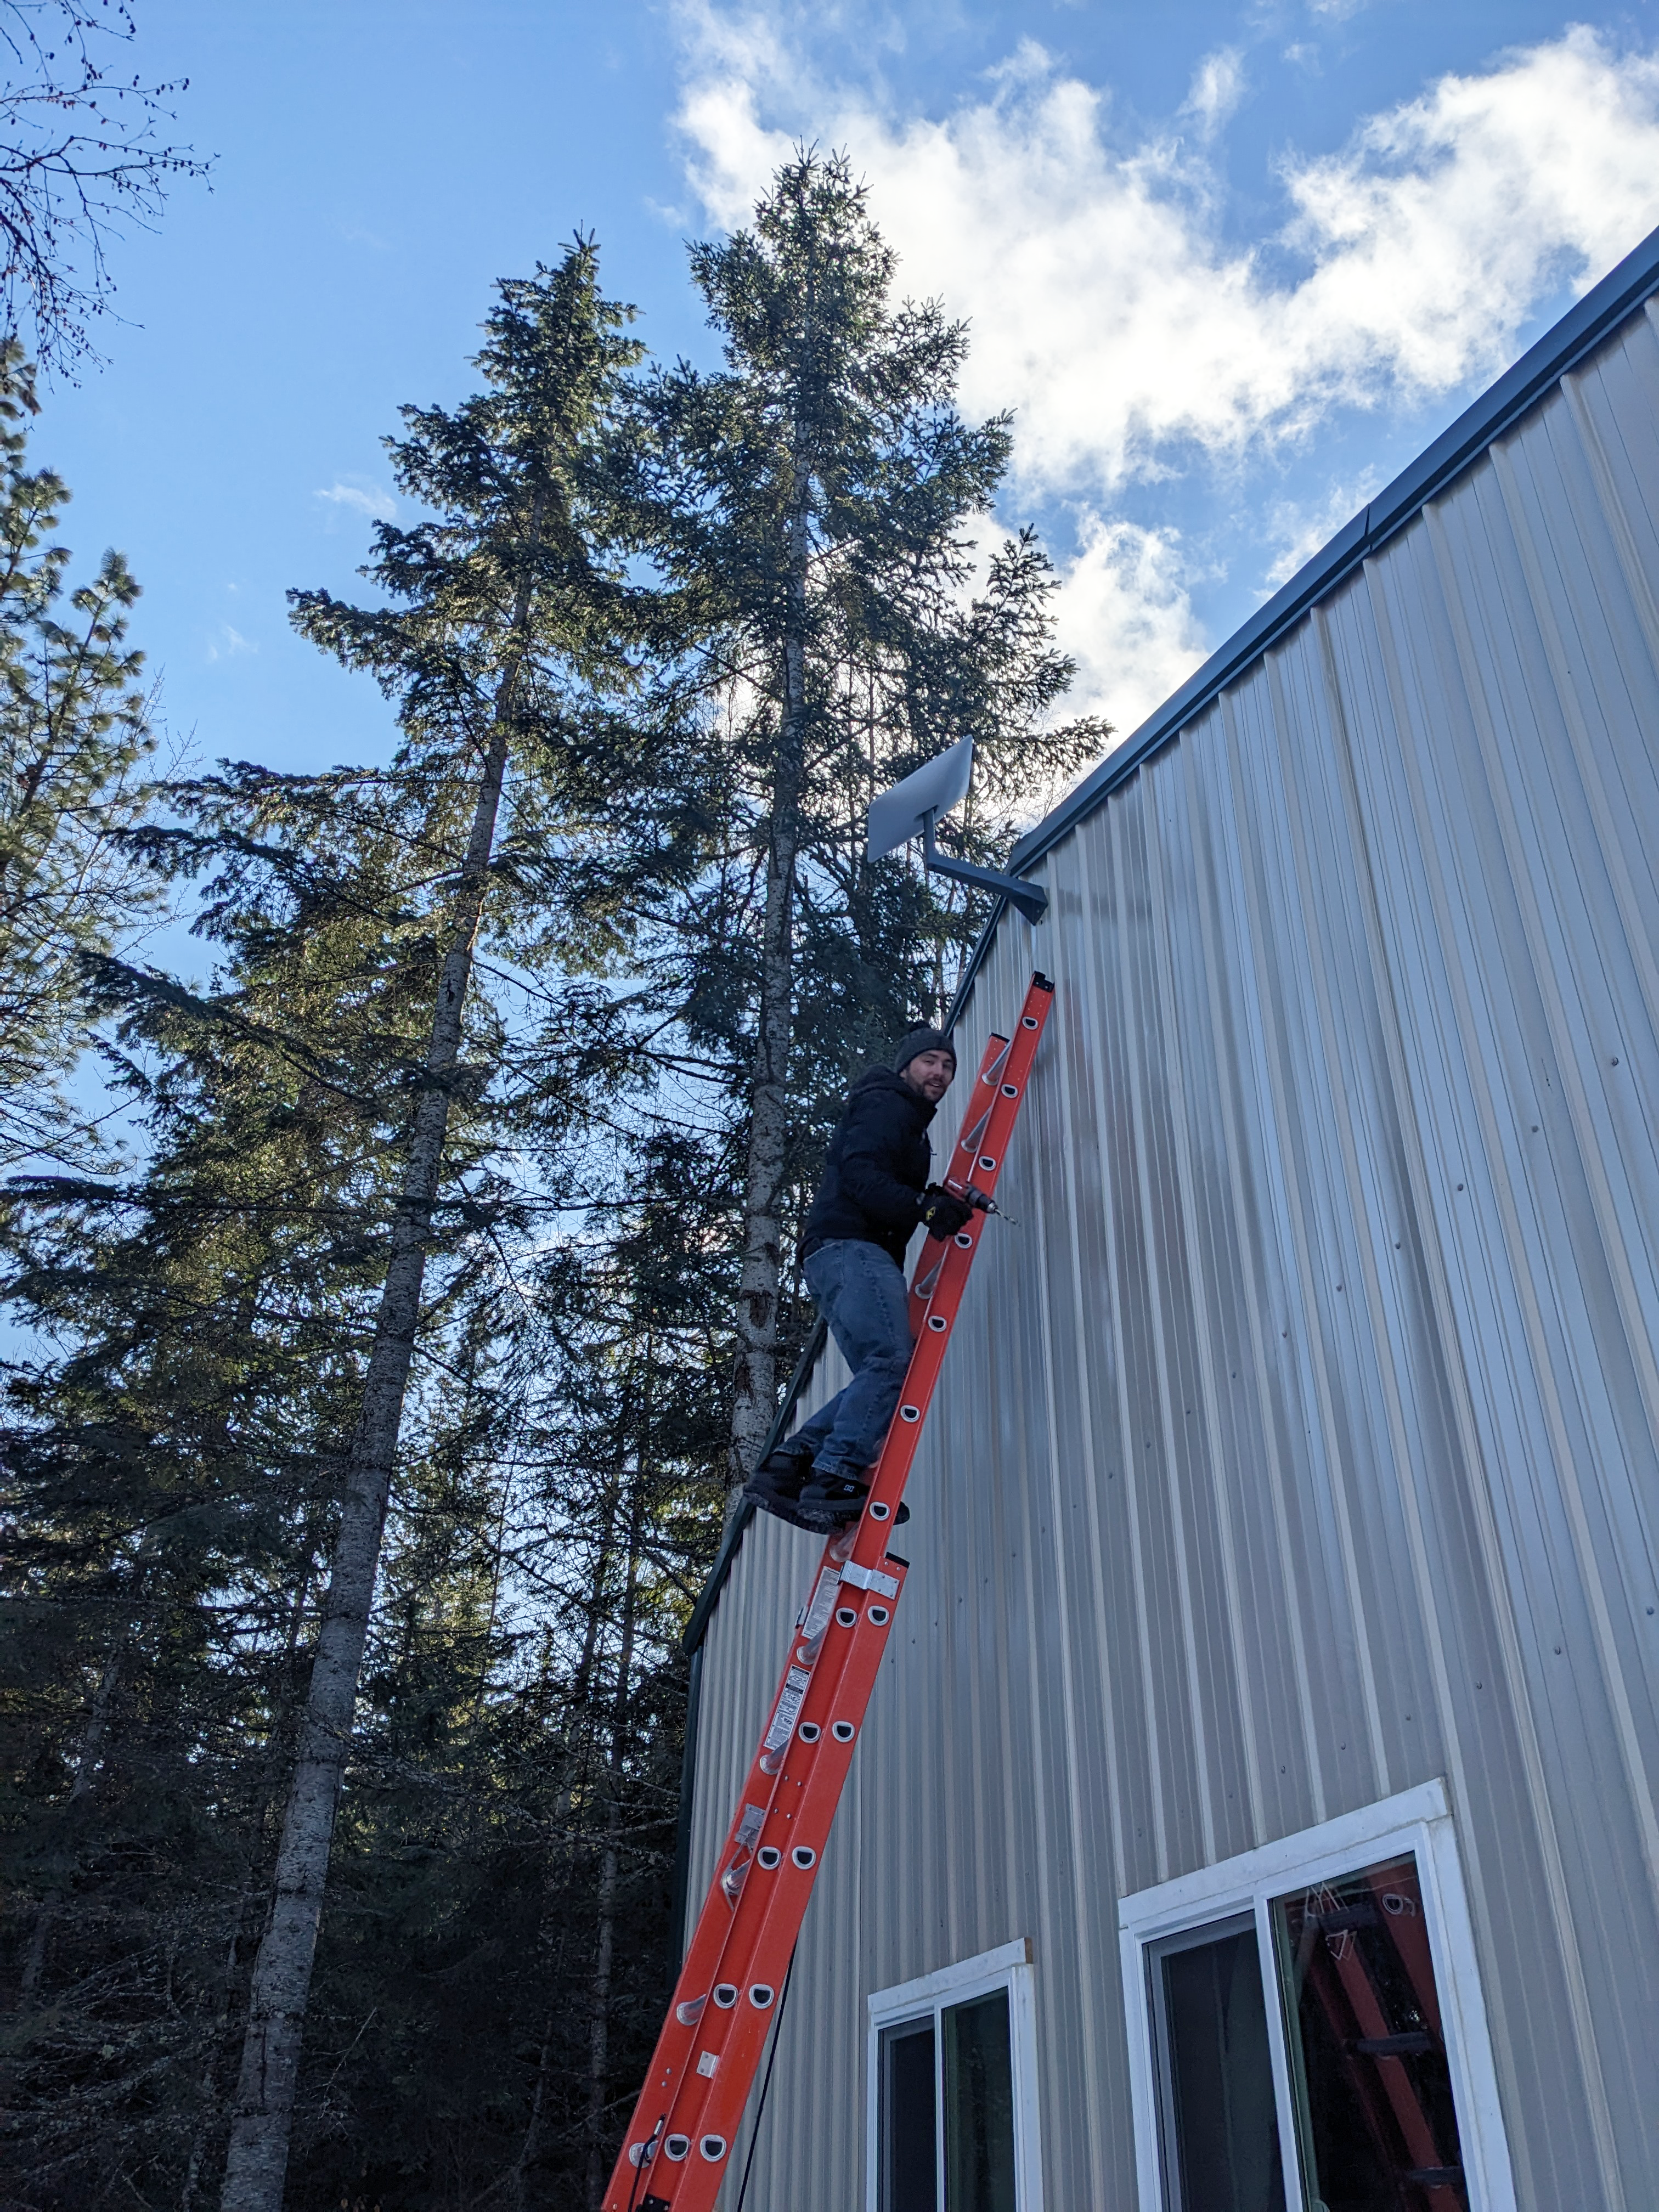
{"x": 1031, "y": 899}
{"x": 910, "y": 810}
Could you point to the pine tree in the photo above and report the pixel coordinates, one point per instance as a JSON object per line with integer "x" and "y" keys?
{"x": 374, "y": 1439}
{"x": 499, "y": 612}
{"x": 172, "y": 1466}
{"x": 74, "y": 729}
{"x": 503, "y": 1869}
{"x": 808, "y": 505}
{"x": 175, "y": 1471}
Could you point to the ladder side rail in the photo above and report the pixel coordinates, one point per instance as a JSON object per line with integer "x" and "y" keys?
{"x": 735, "y": 2053}
{"x": 837, "y": 1704}
{"x": 687, "y": 2116}
{"x": 716, "y": 1954}
{"x": 948, "y": 1276}
{"x": 699, "y": 2122}
{"x": 820, "y": 1757}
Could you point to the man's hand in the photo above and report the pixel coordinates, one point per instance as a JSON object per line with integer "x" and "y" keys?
{"x": 942, "y": 1212}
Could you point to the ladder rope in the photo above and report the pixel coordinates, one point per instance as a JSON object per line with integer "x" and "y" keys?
{"x": 766, "y": 2085}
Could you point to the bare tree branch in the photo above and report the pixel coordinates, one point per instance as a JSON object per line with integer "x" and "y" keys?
{"x": 82, "y": 154}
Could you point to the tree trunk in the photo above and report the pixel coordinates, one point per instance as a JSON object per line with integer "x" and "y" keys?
{"x": 530, "y": 2149}
{"x": 598, "y": 2048}
{"x": 262, "y": 2114}
{"x": 86, "y": 1766}
{"x": 558, "y": 1850}
{"x": 219, "y": 2038}
{"x": 755, "y": 1398}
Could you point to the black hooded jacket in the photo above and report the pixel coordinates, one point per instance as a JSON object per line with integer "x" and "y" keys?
{"x": 876, "y": 1167}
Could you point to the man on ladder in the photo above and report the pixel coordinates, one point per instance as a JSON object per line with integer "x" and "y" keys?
{"x": 874, "y": 1195}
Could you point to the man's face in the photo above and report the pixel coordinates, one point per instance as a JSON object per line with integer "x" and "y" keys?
{"x": 930, "y": 1074}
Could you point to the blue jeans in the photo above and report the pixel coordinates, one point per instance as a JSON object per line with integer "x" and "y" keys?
{"x": 863, "y": 1295}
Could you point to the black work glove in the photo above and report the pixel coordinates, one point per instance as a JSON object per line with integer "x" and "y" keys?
{"x": 942, "y": 1212}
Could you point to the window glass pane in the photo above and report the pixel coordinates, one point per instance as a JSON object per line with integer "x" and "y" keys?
{"x": 1220, "y": 2126}
{"x": 979, "y": 2106}
{"x": 1375, "y": 2118}
{"x": 909, "y": 2142}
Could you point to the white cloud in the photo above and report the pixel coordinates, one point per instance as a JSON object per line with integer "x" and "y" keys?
{"x": 362, "y": 498}
{"x": 1106, "y": 308}
{"x": 1131, "y": 336}
{"x": 1441, "y": 224}
{"x": 227, "y": 643}
{"x": 1126, "y": 618}
{"x": 1218, "y": 87}
{"x": 1300, "y": 528}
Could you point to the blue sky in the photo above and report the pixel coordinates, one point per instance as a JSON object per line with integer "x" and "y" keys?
{"x": 1232, "y": 266}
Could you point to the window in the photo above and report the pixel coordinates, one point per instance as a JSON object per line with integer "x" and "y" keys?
{"x": 1218, "y": 2121}
{"x": 951, "y": 2105}
{"x": 1306, "y": 2031}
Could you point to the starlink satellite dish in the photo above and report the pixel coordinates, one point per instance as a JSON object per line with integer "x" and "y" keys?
{"x": 910, "y": 810}
{"x": 907, "y": 811}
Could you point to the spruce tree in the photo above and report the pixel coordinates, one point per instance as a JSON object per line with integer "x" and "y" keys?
{"x": 175, "y": 1463}
{"x": 73, "y": 732}
{"x": 451, "y": 1289}
{"x": 499, "y": 616}
{"x": 810, "y": 505}
{"x": 172, "y": 1442}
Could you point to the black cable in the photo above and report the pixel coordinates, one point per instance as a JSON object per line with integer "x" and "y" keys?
{"x": 771, "y": 2061}
{"x": 647, "y": 2154}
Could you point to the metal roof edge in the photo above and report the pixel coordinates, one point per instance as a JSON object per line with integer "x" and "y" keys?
{"x": 1603, "y": 306}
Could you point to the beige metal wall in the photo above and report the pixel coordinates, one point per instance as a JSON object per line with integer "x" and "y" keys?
{"x": 1300, "y": 1444}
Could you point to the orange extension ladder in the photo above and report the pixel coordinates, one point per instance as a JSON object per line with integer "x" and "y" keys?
{"x": 674, "y": 2155}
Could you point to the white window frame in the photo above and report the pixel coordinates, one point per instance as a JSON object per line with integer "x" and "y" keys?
{"x": 1417, "y": 1820}
{"x": 1008, "y": 1967}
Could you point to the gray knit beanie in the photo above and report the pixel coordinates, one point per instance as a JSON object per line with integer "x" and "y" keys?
{"x": 923, "y": 1041}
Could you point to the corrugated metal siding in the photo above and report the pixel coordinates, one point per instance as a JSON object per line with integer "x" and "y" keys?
{"x": 1301, "y": 1443}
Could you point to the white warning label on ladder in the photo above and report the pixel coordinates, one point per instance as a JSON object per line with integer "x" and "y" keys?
{"x": 816, "y": 1618}
{"x": 788, "y": 1705}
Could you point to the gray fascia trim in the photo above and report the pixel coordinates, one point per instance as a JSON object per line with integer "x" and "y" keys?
{"x": 679, "y": 1938}
{"x": 696, "y": 1627}
{"x": 1584, "y": 327}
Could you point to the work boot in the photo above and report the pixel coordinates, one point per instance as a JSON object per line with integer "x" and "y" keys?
{"x": 831, "y": 1499}
{"x": 835, "y": 1501}
{"x": 776, "y": 1484}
